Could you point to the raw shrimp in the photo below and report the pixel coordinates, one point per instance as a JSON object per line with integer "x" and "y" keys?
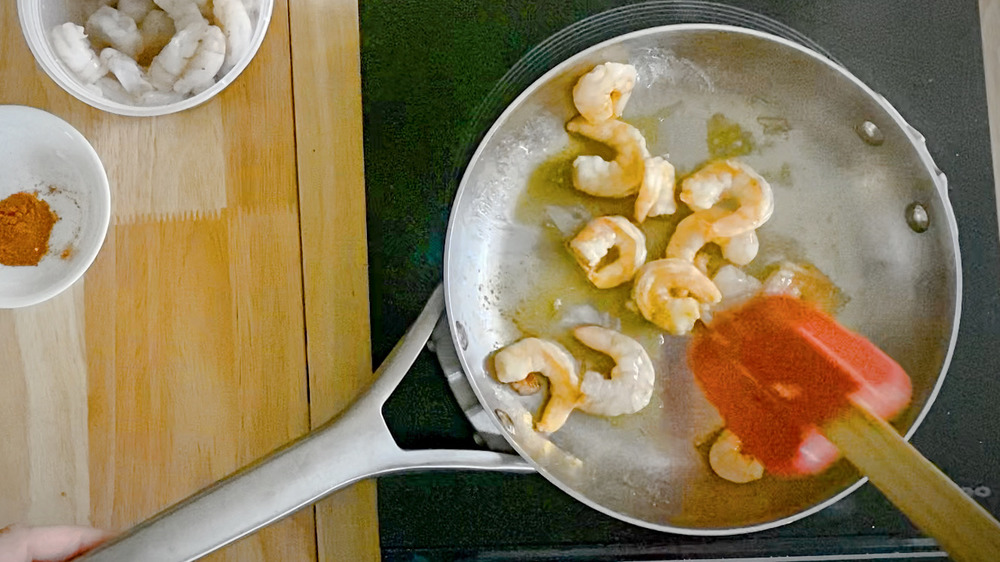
{"x": 534, "y": 355}
{"x": 232, "y": 17}
{"x": 136, "y": 9}
{"x": 602, "y": 93}
{"x": 199, "y": 74}
{"x": 728, "y": 460}
{"x": 71, "y": 45}
{"x": 157, "y": 29}
{"x": 620, "y": 177}
{"x": 656, "y": 194}
{"x": 183, "y": 12}
{"x": 127, "y": 71}
{"x": 170, "y": 63}
{"x": 595, "y": 242}
{"x": 108, "y": 26}
{"x": 725, "y": 179}
{"x": 670, "y": 293}
{"x": 205, "y": 7}
{"x": 631, "y": 384}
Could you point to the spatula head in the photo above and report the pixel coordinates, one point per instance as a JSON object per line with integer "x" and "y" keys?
{"x": 777, "y": 369}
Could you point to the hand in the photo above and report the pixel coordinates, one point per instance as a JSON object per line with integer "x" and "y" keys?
{"x": 47, "y": 544}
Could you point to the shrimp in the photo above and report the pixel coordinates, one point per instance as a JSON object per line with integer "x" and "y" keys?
{"x": 108, "y": 26}
{"x": 729, "y": 461}
{"x": 199, "y": 74}
{"x": 183, "y": 12}
{"x": 170, "y": 63}
{"x": 620, "y": 177}
{"x": 70, "y": 44}
{"x": 724, "y": 179}
{"x": 697, "y": 229}
{"x": 670, "y": 292}
{"x": 631, "y": 384}
{"x": 136, "y": 9}
{"x": 740, "y": 249}
{"x": 534, "y": 355}
{"x": 232, "y": 17}
{"x": 127, "y": 71}
{"x": 602, "y": 93}
{"x": 595, "y": 242}
{"x": 656, "y": 193}
{"x": 157, "y": 29}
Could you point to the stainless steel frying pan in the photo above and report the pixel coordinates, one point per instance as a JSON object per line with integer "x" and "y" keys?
{"x": 856, "y": 194}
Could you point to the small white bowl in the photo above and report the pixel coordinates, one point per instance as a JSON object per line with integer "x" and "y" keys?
{"x": 38, "y": 17}
{"x": 40, "y": 152}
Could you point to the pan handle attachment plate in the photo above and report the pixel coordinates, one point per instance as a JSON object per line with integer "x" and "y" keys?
{"x": 352, "y": 447}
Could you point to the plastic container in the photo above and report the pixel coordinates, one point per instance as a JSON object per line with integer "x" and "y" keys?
{"x": 38, "y": 17}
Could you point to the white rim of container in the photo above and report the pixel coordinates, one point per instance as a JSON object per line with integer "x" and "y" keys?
{"x": 29, "y": 14}
{"x": 101, "y": 193}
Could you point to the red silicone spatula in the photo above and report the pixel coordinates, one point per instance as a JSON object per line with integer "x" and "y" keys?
{"x": 795, "y": 386}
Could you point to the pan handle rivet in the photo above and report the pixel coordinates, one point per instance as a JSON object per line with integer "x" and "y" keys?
{"x": 463, "y": 338}
{"x": 917, "y": 217}
{"x": 505, "y": 420}
{"x": 870, "y": 133}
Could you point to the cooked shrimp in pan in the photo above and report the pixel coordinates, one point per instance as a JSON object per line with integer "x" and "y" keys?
{"x": 594, "y": 243}
{"x": 620, "y": 177}
{"x": 727, "y": 459}
{"x": 534, "y": 355}
{"x": 698, "y": 229}
{"x": 71, "y": 46}
{"x": 630, "y": 385}
{"x": 670, "y": 293}
{"x": 730, "y": 179}
{"x": 602, "y": 93}
{"x": 656, "y": 193}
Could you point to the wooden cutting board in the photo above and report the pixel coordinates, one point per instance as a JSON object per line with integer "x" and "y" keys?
{"x": 238, "y": 228}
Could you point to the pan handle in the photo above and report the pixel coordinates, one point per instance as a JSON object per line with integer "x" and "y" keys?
{"x": 354, "y": 446}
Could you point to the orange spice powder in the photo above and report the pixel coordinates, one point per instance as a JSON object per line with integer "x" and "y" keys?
{"x": 25, "y": 225}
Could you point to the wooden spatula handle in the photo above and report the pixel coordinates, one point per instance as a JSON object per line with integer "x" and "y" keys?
{"x": 919, "y": 489}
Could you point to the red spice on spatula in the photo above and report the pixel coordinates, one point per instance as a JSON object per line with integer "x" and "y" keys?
{"x": 795, "y": 386}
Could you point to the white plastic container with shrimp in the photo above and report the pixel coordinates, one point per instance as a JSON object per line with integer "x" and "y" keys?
{"x": 39, "y": 17}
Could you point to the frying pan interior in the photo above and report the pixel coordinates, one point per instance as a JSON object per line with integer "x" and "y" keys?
{"x": 840, "y": 205}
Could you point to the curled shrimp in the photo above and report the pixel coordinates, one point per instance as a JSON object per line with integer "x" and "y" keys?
{"x": 534, "y": 355}
{"x": 670, "y": 292}
{"x": 108, "y": 26}
{"x": 593, "y": 244}
{"x": 620, "y": 177}
{"x": 656, "y": 193}
{"x": 170, "y": 63}
{"x": 199, "y": 74}
{"x": 697, "y": 229}
{"x": 72, "y": 47}
{"x": 232, "y": 17}
{"x": 730, "y": 179}
{"x": 727, "y": 459}
{"x": 127, "y": 71}
{"x": 135, "y": 9}
{"x": 631, "y": 384}
{"x": 183, "y": 12}
{"x": 602, "y": 93}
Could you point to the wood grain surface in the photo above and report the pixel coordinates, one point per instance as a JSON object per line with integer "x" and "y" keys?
{"x": 182, "y": 355}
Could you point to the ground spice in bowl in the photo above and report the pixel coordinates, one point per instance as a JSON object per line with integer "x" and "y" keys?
{"x": 25, "y": 225}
